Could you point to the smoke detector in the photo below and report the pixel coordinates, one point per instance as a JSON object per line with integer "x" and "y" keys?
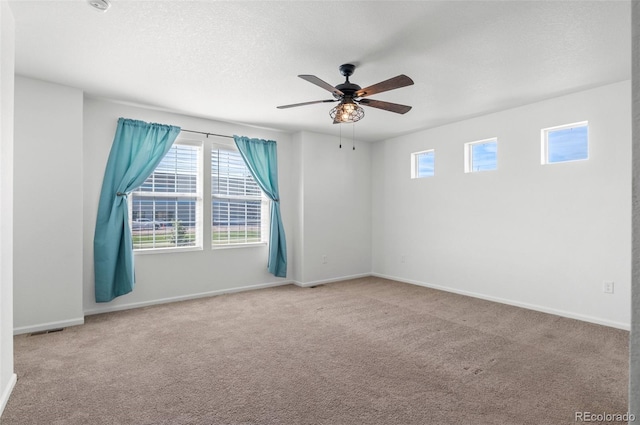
{"x": 100, "y": 5}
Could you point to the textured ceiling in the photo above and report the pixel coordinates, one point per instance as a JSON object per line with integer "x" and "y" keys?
{"x": 236, "y": 61}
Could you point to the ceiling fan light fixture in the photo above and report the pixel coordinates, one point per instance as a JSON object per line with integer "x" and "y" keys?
{"x": 350, "y": 96}
{"x": 346, "y": 112}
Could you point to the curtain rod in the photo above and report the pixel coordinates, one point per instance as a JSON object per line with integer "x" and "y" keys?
{"x": 207, "y": 134}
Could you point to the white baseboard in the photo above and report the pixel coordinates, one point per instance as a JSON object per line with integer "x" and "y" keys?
{"x": 4, "y": 398}
{"x": 109, "y": 309}
{"x": 336, "y": 279}
{"x": 48, "y": 326}
{"x": 562, "y": 313}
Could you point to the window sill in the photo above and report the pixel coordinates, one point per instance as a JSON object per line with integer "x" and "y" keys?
{"x": 197, "y": 248}
{"x": 238, "y": 245}
{"x": 166, "y": 250}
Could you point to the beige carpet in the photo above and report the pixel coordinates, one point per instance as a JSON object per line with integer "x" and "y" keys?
{"x": 367, "y": 351}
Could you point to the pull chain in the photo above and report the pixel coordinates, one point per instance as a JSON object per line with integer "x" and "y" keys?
{"x": 353, "y": 136}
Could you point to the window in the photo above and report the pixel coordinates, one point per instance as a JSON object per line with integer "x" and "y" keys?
{"x": 481, "y": 155}
{"x": 565, "y": 143}
{"x": 166, "y": 211}
{"x": 238, "y": 206}
{"x": 423, "y": 164}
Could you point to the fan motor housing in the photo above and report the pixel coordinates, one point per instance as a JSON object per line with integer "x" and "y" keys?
{"x": 348, "y": 88}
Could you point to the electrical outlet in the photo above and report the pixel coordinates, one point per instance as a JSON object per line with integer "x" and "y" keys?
{"x": 607, "y": 287}
{"x": 324, "y": 259}
{"x": 403, "y": 258}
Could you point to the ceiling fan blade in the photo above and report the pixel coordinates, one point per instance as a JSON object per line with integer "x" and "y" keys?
{"x": 306, "y": 103}
{"x": 318, "y": 82}
{"x": 390, "y": 84}
{"x": 387, "y": 106}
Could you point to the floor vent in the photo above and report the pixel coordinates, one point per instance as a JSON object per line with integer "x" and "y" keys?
{"x": 50, "y": 331}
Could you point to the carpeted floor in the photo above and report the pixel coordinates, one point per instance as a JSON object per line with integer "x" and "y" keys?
{"x": 367, "y": 351}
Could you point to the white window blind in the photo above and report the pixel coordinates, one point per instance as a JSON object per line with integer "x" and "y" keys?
{"x": 166, "y": 211}
{"x": 237, "y": 204}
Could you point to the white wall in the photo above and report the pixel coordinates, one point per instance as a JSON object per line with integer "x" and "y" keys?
{"x": 173, "y": 276}
{"x": 334, "y": 207}
{"x": 7, "y": 37}
{"x": 634, "y": 343}
{"x": 296, "y": 241}
{"x": 48, "y": 206}
{"x": 539, "y": 236}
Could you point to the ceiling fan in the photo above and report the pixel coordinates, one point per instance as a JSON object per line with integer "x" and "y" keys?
{"x": 350, "y": 96}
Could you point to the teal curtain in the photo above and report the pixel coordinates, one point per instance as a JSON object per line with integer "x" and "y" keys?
{"x": 262, "y": 160}
{"x": 138, "y": 147}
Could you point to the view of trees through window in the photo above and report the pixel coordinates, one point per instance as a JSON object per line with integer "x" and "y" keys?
{"x": 165, "y": 209}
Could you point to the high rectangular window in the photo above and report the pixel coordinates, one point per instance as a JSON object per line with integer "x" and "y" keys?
{"x": 564, "y": 143}
{"x": 481, "y": 155}
{"x": 166, "y": 211}
{"x": 238, "y": 206}
{"x": 423, "y": 164}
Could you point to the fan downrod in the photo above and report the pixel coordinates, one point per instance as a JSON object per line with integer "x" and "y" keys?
{"x": 347, "y": 88}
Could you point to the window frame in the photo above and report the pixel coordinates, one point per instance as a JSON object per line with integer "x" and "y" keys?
{"x": 199, "y": 245}
{"x": 265, "y": 203}
{"x": 468, "y": 155}
{"x": 205, "y": 201}
{"x": 415, "y": 163}
{"x": 544, "y": 136}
